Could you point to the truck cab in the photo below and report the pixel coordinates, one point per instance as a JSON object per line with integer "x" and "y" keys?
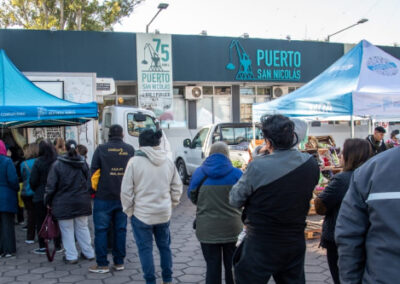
{"x": 133, "y": 121}
{"x": 193, "y": 151}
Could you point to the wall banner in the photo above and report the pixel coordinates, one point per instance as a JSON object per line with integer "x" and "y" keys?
{"x": 154, "y": 71}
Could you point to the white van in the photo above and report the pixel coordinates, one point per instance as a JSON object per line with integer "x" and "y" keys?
{"x": 133, "y": 121}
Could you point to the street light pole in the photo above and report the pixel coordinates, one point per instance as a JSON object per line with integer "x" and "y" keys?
{"x": 161, "y": 6}
{"x": 362, "y": 21}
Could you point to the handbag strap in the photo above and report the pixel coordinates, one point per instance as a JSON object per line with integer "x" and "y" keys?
{"x": 27, "y": 166}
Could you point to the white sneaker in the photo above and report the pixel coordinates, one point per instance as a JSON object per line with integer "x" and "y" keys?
{"x": 29, "y": 242}
{"x": 118, "y": 267}
{"x": 60, "y": 250}
{"x": 99, "y": 269}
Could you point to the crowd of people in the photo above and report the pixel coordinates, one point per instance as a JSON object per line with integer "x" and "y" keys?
{"x": 250, "y": 222}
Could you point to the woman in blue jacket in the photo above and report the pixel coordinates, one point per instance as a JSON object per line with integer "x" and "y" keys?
{"x": 31, "y": 152}
{"x": 8, "y": 203}
{"x": 218, "y": 224}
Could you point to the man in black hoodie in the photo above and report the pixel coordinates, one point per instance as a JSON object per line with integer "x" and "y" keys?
{"x": 376, "y": 140}
{"x": 108, "y": 167}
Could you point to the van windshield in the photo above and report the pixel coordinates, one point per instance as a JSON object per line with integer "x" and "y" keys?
{"x": 136, "y": 127}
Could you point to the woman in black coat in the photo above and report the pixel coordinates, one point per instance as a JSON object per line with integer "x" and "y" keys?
{"x": 355, "y": 153}
{"x": 37, "y": 181}
{"x": 67, "y": 192}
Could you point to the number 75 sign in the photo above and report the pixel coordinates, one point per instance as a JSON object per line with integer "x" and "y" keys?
{"x": 154, "y": 72}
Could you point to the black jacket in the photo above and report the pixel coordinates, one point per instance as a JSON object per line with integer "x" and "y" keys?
{"x": 111, "y": 159}
{"x": 332, "y": 197}
{"x": 67, "y": 189}
{"x": 275, "y": 191}
{"x": 38, "y": 178}
{"x": 377, "y": 147}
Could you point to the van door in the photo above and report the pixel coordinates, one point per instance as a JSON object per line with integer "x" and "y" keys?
{"x": 107, "y": 121}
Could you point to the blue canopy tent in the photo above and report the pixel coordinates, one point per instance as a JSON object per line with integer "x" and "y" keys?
{"x": 363, "y": 83}
{"x": 22, "y": 104}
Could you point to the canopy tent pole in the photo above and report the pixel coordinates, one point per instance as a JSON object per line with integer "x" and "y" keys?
{"x": 254, "y": 132}
{"x": 370, "y": 125}
{"x": 352, "y": 126}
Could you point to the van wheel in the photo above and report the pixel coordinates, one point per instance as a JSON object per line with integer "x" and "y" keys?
{"x": 182, "y": 171}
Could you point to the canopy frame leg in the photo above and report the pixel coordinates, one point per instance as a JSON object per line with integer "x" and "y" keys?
{"x": 352, "y": 126}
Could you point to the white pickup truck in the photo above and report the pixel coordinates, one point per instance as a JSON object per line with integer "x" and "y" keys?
{"x": 236, "y": 135}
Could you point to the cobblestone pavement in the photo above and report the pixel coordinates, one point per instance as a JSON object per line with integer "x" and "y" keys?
{"x": 189, "y": 265}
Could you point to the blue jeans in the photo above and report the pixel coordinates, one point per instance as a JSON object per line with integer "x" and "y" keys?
{"x": 143, "y": 234}
{"x": 105, "y": 211}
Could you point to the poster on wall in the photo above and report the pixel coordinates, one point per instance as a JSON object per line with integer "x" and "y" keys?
{"x": 50, "y": 133}
{"x": 154, "y": 71}
{"x": 56, "y": 88}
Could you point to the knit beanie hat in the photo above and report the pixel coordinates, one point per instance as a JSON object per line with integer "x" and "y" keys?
{"x": 150, "y": 138}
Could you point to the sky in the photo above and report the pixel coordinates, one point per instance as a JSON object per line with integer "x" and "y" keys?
{"x": 299, "y": 19}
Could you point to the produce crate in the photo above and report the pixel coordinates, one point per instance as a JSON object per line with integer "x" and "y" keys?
{"x": 313, "y": 230}
{"x": 312, "y": 208}
{"x": 326, "y": 139}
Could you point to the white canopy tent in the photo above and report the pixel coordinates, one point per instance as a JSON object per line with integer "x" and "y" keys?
{"x": 362, "y": 84}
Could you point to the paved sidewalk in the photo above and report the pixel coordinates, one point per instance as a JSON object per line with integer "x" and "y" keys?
{"x": 189, "y": 265}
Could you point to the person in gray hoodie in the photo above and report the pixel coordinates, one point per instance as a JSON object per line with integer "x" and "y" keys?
{"x": 150, "y": 188}
{"x": 367, "y": 230}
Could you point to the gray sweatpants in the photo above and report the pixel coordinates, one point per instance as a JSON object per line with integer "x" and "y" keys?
{"x": 79, "y": 228}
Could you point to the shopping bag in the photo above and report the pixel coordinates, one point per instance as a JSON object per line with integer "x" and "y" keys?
{"x": 49, "y": 231}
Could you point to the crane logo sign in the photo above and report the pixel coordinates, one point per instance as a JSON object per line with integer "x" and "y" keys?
{"x": 245, "y": 72}
{"x": 155, "y": 58}
{"x": 272, "y": 65}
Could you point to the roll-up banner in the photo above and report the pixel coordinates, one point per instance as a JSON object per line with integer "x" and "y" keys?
{"x": 154, "y": 71}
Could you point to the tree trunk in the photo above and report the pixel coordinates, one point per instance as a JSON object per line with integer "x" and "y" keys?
{"x": 79, "y": 19}
{"x": 62, "y": 21}
{"x": 45, "y": 15}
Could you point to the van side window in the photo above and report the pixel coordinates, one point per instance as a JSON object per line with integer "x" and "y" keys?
{"x": 200, "y": 138}
{"x": 136, "y": 127}
{"x": 107, "y": 120}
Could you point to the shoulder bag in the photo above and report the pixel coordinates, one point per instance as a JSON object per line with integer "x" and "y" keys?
{"x": 49, "y": 231}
